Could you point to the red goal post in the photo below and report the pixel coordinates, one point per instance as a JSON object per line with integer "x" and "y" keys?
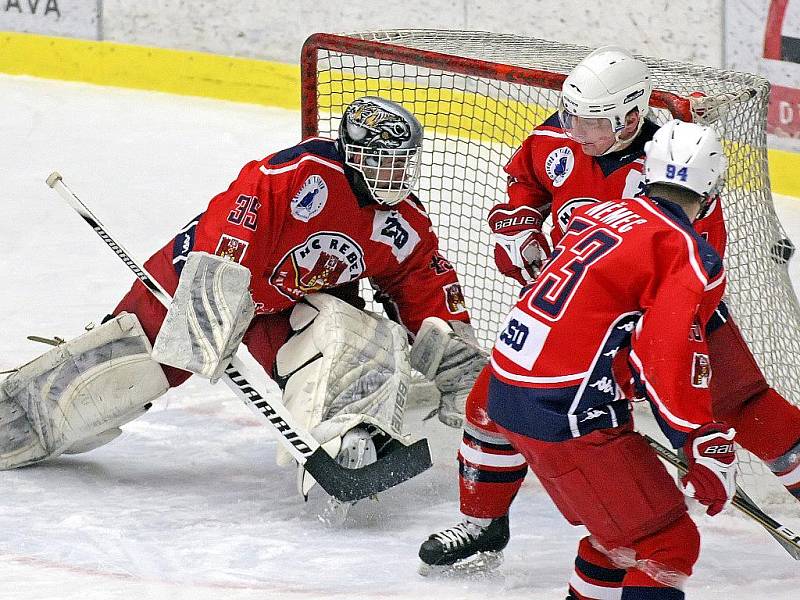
{"x": 383, "y": 51}
{"x": 480, "y": 94}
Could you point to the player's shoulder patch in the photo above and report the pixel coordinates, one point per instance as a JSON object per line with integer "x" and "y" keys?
{"x": 391, "y": 228}
{"x": 559, "y": 165}
{"x": 310, "y": 199}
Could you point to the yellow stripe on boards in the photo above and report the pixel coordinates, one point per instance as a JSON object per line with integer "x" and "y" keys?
{"x": 161, "y": 69}
{"x": 277, "y": 84}
{"x": 784, "y": 172}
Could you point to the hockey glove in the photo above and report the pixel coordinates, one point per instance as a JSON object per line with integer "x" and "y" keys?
{"x": 711, "y": 479}
{"x": 520, "y": 246}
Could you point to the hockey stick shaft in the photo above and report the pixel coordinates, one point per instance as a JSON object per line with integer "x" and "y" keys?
{"x": 345, "y": 484}
{"x": 785, "y": 536}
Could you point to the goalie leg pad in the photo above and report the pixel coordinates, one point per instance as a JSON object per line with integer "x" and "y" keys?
{"x": 75, "y": 395}
{"x": 208, "y": 316}
{"x": 342, "y": 367}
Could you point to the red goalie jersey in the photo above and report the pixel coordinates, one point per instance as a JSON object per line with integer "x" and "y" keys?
{"x": 293, "y": 220}
{"x": 551, "y": 172}
{"x": 628, "y": 274}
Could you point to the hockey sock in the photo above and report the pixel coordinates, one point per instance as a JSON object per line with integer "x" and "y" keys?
{"x": 787, "y": 468}
{"x": 595, "y": 576}
{"x": 490, "y": 473}
{"x": 663, "y": 561}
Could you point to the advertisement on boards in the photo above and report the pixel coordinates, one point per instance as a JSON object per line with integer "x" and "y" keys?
{"x": 64, "y": 18}
{"x": 763, "y": 36}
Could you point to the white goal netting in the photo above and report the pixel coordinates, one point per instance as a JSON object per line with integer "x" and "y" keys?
{"x": 480, "y": 94}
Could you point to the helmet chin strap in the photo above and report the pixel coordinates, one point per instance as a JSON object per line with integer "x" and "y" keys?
{"x": 621, "y": 144}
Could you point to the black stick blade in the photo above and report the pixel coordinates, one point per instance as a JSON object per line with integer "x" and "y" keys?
{"x": 349, "y": 485}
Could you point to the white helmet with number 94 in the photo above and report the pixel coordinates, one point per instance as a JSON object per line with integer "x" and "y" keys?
{"x": 686, "y": 155}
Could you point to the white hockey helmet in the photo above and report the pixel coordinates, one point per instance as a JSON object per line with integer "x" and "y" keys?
{"x": 686, "y": 155}
{"x": 381, "y": 142}
{"x": 607, "y": 84}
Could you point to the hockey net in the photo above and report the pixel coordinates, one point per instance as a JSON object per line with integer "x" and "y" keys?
{"x": 480, "y": 94}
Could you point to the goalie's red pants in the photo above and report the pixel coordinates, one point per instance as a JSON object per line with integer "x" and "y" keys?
{"x": 266, "y": 334}
{"x": 491, "y": 472}
{"x": 643, "y": 542}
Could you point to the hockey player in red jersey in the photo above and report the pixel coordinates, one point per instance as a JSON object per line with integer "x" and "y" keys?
{"x": 629, "y": 279}
{"x": 597, "y": 154}
{"x": 287, "y": 244}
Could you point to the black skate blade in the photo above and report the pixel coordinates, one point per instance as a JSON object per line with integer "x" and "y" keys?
{"x": 479, "y": 565}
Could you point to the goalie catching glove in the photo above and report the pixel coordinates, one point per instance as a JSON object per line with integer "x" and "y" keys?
{"x": 711, "y": 455}
{"x": 520, "y": 246}
{"x": 448, "y": 354}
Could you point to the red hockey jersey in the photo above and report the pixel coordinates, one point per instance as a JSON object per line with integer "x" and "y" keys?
{"x": 551, "y": 172}
{"x": 293, "y": 220}
{"x": 628, "y": 275}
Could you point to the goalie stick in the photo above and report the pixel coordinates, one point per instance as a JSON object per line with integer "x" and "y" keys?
{"x": 784, "y": 536}
{"x": 347, "y": 485}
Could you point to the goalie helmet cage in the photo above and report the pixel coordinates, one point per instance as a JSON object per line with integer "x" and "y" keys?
{"x": 480, "y": 94}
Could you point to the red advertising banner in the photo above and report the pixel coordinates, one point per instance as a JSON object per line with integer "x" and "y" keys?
{"x": 783, "y": 118}
{"x": 763, "y": 36}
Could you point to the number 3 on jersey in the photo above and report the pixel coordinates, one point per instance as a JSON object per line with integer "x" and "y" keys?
{"x": 558, "y": 284}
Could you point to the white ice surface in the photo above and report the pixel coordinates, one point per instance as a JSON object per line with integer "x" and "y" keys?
{"x": 188, "y": 503}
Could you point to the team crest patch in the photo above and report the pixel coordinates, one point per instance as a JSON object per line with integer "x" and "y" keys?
{"x": 324, "y": 260}
{"x": 454, "y": 297}
{"x": 440, "y": 264}
{"x": 231, "y": 248}
{"x": 309, "y": 201}
{"x": 559, "y": 164}
{"x": 566, "y": 210}
{"x": 701, "y": 370}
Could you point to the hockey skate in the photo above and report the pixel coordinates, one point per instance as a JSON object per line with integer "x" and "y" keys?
{"x": 358, "y": 450}
{"x": 465, "y": 549}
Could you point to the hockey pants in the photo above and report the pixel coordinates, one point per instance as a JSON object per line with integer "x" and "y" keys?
{"x": 643, "y": 543}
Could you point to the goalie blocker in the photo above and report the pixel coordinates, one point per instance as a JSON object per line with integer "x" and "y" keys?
{"x": 448, "y": 354}
{"x": 207, "y": 318}
{"x": 75, "y": 397}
